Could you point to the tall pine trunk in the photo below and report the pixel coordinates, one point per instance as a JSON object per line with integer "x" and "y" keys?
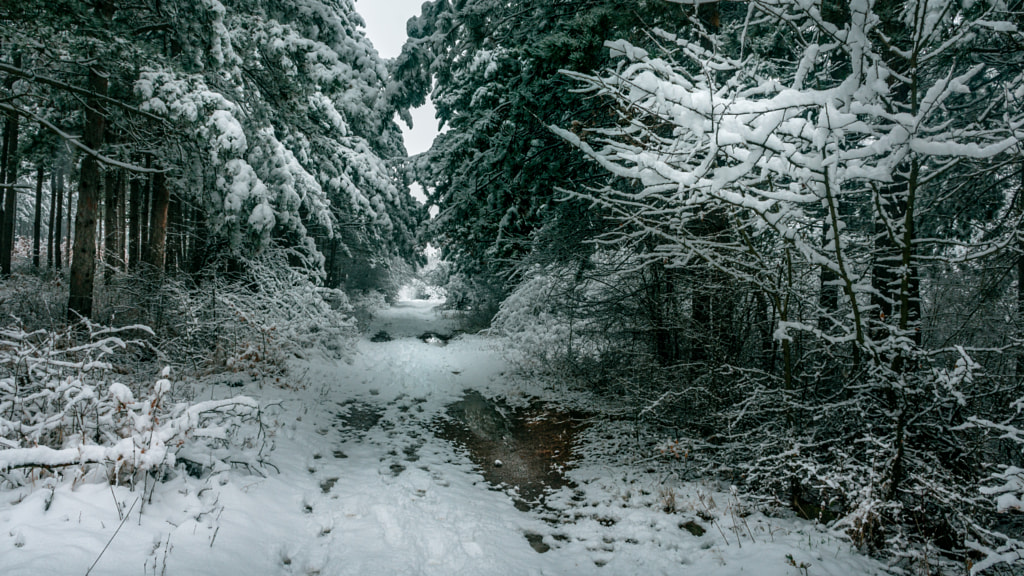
{"x": 10, "y": 195}
{"x": 1019, "y": 368}
{"x": 83, "y": 264}
{"x": 145, "y": 211}
{"x": 134, "y": 226}
{"x": 175, "y": 233}
{"x": 10, "y": 178}
{"x": 157, "y": 247}
{"x": 51, "y": 217}
{"x": 67, "y": 224}
{"x": 58, "y": 211}
{"x": 37, "y": 223}
{"x": 112, "y": 253}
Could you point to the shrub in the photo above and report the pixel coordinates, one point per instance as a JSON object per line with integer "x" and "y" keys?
{"x": 65, "y": 404}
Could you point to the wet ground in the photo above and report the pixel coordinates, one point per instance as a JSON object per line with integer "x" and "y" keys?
{"x": 527, "y": 449}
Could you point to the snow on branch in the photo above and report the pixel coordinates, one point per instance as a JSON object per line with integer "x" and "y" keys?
{"x": 61, "y": 405}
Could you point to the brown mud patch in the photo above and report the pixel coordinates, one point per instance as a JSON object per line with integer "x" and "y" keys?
{"x": 527, "y": 448}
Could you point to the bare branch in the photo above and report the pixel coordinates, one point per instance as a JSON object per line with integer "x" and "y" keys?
{"x": 33, "y": 77}
{"x": 74, "y": 140}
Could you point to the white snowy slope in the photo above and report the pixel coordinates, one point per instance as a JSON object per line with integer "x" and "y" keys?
{"x": 363, "y": 486}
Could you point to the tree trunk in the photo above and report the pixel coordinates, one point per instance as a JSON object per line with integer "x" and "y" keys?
{"x": 663, "y": 316}
{"x": 1019, "y": 369}
{"x": 200, "y": 242}
{"x": 145, "y": 210}
{"x": 51, "y": 216}
{"x": 175, "y": 233}
{"x": 83, "y": 265}
{"x": 134, "y": 225}
{"x": 111, "y": 225}
{"x": 37, "y": 224}
{"x": 58, "y": 210}
{"x": 5, "y": 150}
{"x": 67, "y": 225}
{"x": 10, "y": 200}
{"x": 10, "y": 196}
{"x": 828, "y": 291}
{"x": 122, "y": 220}
{"x": 711, "y": 304}
{"x": 157, "y": 248}
{"x": 9, "y": 159}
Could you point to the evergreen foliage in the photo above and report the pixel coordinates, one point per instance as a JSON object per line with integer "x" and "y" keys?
{"x": 269, "y": 120}
{"x": 495, "y": 174}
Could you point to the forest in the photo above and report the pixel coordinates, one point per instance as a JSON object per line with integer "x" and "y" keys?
{"x": 782, "y": 241}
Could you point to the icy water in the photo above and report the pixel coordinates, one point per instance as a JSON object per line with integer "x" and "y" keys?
{"x": 527, "y": 449}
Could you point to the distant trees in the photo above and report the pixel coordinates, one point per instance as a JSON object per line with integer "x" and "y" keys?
{"x": 492, "y": 69}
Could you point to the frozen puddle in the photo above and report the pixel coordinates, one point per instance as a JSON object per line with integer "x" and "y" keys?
{"x": 527, "y": 449}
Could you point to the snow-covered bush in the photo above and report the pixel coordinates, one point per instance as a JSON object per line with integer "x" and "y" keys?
{"x": 64, "y": 404}
{"x": 251, "y": 318}
{"x": 278, "y": 310}
{"x": 37, "y": 301}
{"x": 599, "y": 321}
{"x": 476, "y": 300}
{"x": 365, "y": 306}
{"x": 418, "y": 289}
{"x": 534, "y": 321}
{"x": 550, "y": 320}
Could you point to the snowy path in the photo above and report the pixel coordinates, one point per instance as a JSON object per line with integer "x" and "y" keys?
{"x": 402, "y": 501}
{"x": 365, "y": 488}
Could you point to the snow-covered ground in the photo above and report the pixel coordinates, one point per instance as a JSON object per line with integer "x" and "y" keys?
{"x": 363, "y": 486}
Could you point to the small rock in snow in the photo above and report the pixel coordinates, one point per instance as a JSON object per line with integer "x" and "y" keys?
{"x": 498, "y": 463}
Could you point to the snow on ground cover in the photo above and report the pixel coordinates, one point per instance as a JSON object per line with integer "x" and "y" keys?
{"x": 363, "y": 487}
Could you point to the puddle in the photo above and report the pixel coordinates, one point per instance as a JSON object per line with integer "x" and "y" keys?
{"x": 435, "y": 338}
{"x": 358, "y": 416}
{"x": 528, "y": 448}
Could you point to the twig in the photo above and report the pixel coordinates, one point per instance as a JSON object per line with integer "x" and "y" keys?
{"x": 112, "y": 536}
{"x": 713, "y": 523}
{"x": 116, "y": 504}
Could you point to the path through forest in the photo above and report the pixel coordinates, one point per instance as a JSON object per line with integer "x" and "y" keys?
{"x": 361, "y": 481}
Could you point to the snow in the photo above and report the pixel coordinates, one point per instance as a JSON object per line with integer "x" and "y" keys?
{"x": 393, "y": 498}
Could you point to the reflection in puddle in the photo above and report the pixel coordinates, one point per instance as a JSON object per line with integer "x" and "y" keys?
{"x": 528, "y": 448}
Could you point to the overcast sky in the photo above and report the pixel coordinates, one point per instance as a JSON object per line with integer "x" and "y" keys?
{"x": 385, "y": 25}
